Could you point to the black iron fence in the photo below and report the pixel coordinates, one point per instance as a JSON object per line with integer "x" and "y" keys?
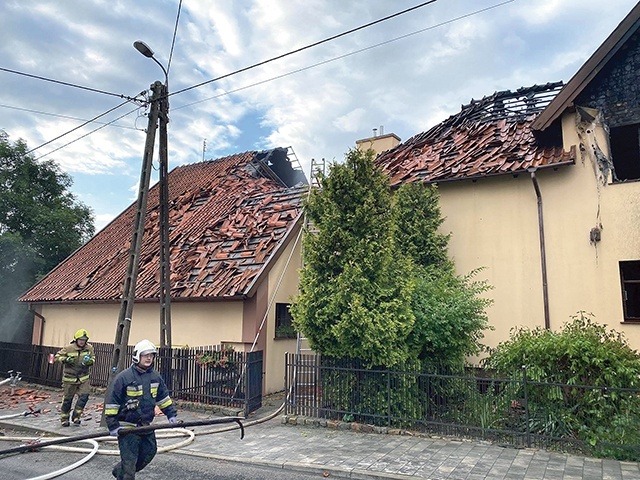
{"x": 594, "y": 420}
{"x": 235, "y": 381}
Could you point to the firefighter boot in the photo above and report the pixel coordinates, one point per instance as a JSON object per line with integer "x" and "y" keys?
{"x": 65, "y": 410}
{"x": 77, "y": 412}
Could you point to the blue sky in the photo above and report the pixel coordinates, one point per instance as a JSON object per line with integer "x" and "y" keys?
{"x": 427, "y": 64}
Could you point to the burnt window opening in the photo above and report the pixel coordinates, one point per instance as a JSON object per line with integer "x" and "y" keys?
{"x": 625, "y": 152}
{"x": 630, "y": 279}
{"x": 284, "y": 323}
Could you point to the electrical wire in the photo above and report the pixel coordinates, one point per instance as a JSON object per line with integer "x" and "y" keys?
{"x": 57, "y": 115}
{"x": 340, "y": 57}
{"x": 298, "y": 50}
{"x": 173, "y": 42}
{"x": 76, "y": 128}
{"x": 85, "y": 135}
{"x": 67, "y": 84}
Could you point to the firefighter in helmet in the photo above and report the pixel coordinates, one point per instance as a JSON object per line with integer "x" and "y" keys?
{"x": 131, "y": 402}
{"x": 77, "y": 358}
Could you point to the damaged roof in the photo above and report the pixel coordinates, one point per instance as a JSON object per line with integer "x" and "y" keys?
{"x": 228, "y": 219}
{"x": 491, "y": 136}
{"x": 590, "y": 69}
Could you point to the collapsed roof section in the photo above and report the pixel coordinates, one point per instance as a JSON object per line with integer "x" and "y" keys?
{"x": 228, "y": 219}
{"x": 491, "y": 136}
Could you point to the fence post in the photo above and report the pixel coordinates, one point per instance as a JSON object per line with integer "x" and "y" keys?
{"x": 388, "y": 398}
{"x": 526, "y": 406}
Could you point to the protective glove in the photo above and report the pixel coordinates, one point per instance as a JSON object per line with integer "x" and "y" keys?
{"x": 114, "y": 432}
{"x": 86, "y": 361}
{"x": 174, "y": 420}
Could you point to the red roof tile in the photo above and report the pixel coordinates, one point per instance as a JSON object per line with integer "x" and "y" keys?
{"x": 227, "y": 222}
{"x": 491, "y": 136}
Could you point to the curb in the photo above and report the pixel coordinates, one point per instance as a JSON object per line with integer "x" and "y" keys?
{"x": 323, "y": 470}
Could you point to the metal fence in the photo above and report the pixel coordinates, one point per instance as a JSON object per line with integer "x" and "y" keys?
{"x": 477, "y": 404}
{"x": 236, "y": 383}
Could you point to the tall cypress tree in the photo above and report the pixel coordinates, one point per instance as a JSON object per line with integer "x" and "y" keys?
{"x": 355, "y": 295}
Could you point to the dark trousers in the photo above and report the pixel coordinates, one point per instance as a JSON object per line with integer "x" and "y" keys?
{"x": 136, "y": 451}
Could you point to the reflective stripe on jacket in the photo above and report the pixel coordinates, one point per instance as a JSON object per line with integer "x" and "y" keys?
{"x": 133, "y": 398}
{"x": 76, "y": 372}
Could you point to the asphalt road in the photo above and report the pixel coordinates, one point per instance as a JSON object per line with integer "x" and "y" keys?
{"x": 164, "y": 466}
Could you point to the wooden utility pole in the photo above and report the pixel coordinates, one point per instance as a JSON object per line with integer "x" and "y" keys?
{"x": 165, "y": 254}
{"x": 129, "y": 288}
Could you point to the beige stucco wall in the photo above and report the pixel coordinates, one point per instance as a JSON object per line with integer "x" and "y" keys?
{"x": 494, "y": 224}
{"x": 284, "y": 293}
{"x": 193, "y": 324}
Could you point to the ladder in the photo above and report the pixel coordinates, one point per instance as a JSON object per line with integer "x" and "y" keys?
{"x": 317, "y": 167}
{"x": 305, "y": 371}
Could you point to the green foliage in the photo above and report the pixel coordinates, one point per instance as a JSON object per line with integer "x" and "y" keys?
{"x": 215, "y": 359}
{"x": 417, "y": 218}
{"x": 41, "y": 222}
{"x": 354, "y": 298}
{"x": 583, "y": 353}
{"x": 449, "y": 310}
{"x": 450, "y": 318}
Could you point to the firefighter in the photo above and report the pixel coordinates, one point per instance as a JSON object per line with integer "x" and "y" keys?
{"x": 77, "y": 359}
{"x": 131, "y": 402}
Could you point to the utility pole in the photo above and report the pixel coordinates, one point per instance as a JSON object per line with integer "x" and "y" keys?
{"x": 129, "y": 288}
{"x": 165, "y": 253}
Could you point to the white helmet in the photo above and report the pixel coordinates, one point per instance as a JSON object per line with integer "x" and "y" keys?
{"x": 142, "y": 348}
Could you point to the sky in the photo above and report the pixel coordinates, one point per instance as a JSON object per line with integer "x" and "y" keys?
{"x": 404, "y": 74}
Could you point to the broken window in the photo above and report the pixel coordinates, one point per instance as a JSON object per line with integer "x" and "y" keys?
{"x": 284, "y": 324}
{"x": 630, "y": 278}
{"x": 625, "y": 151}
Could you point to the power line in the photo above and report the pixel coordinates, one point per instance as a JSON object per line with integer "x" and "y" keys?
{"x": 315, "y": 44}
{"x": 38, "y": 77}
{"x": 79, "y": 126}
{"x": 173, "y": 42}
{"x": 86, "y": 134}
{"x": 57, "y": 115}
{"x": 370, "y": 47}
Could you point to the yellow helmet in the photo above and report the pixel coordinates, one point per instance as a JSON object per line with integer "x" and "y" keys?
{"x": 82, "y": 333}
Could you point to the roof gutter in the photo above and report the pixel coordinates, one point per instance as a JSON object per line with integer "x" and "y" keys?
{"x": 543, "y": 252}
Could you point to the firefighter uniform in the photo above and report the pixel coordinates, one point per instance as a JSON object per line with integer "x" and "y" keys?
{"x": 77, "y": 358}
{"x": 131, "y": 402}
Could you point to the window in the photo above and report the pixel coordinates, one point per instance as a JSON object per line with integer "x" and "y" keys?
{"x": 630, "y": 277}
{"x": 625, "y": 151}
{"x": 284, "y": 325}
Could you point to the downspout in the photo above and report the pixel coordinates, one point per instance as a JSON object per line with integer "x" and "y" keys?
{"x": 543, "y": 252}
{"x": 41, "y": 332}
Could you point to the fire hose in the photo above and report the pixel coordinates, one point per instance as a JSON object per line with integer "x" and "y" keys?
{"x": 31, "y": 411}
{"x": 125, "y": 431}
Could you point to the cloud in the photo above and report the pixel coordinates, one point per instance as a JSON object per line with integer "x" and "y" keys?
{"x": 319, "y": 100}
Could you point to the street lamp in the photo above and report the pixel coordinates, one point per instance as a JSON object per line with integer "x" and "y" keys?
{"x": 145, "y": 50}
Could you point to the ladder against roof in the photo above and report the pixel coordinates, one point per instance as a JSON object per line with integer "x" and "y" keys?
{"x": 317, "y": 167}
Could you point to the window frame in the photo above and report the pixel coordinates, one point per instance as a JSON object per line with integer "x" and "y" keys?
{"x": 630, "y": 282}
{"x": 283, "y": 319}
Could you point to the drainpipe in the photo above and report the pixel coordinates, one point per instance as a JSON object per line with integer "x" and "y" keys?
{"x": 543, "y": 252}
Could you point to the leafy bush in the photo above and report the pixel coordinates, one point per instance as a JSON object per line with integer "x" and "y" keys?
{"x": 582, "y": 353}
{"x": 564, "y": 367}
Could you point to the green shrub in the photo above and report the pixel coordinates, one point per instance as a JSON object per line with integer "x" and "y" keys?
{"x": 583, "y": 354}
